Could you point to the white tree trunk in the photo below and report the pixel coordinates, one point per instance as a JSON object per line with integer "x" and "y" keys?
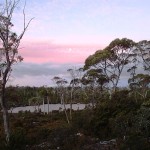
{"x": 43, "y": 107}
{"x": 65, "y": 109}
{"x": 48, "y": 104}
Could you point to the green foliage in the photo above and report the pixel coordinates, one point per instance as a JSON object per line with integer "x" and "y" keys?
{"x": 135, "y": 142}
{"x": 18, "y": 140}
{"x": 82, "y": 121}
{"x": 121, "y": 43}
{"x": 120, "y": 113}
{"x": 99, "y": 56}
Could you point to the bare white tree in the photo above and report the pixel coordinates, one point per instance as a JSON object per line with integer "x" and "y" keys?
{"x": 9, "y": 45}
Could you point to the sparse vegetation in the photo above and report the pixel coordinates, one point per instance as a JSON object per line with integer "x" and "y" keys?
{"x": 119, "y": 117}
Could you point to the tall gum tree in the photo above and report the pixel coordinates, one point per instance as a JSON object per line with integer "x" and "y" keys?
{"x": 112, "y": 60}
{"x": 143, "y": 50}
{"x": 95, "y": 80}
{"x": 75, "y": 81}
{"x": 9, "y": 44}
{"x": 61, "y": 84}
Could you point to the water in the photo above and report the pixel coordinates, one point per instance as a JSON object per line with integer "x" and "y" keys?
{"x": 44, "y": 108}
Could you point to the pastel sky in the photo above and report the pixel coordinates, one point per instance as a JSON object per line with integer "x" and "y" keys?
{"x": 64, "y": 33}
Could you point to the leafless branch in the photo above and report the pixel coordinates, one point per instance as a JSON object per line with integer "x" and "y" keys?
{"x": 24, "y": 14}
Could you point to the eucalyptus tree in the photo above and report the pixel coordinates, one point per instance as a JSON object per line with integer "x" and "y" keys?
{"x": 131, "y": 80}
{"x": 143, "y": 50}
{"x": 112, "y": 60}
{"x": 43, "y": 95}
{"x": 90, "y": 79}
{"x": 140, "y": 69}
{"x": 96, "y": 81}
{"x": 9, "y": 43}
{"x": 61, "y": 83}
{"x": 140, "y": 84}
{"x": 75, "y": 81}
{"x": 35, "y": 101}
{"x": 50, "y": 95}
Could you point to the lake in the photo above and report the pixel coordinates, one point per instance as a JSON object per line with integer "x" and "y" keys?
{"x": 44, "y": 108}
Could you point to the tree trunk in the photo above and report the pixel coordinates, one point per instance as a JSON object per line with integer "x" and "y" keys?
{"x": 48, "y": 104}
{"x": 5, "y": 118}
{"x": 71, "y": 104}
{"x": 65, "y": 109}
{"x": 43, "y": 107}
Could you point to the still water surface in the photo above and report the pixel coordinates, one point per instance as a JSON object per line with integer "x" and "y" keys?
{"x": 45, "y": 108}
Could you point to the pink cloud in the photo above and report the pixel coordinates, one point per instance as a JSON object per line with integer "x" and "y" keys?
{"x": 43, "y": 52}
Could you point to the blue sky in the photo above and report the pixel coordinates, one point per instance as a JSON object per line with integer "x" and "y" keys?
{"x": 65, "y": 32}
{"x": 87, "y": 21}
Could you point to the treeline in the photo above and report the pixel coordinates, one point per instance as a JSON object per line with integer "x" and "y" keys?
{"x": 122, "y": 60}
{"x": 24, "y": 96}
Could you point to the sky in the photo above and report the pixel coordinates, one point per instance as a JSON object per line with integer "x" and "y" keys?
{"x": 64, "y": 33}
